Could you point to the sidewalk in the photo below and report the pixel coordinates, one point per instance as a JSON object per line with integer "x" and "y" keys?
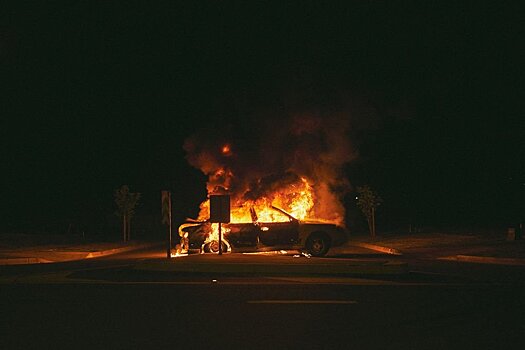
{"x": 35, "y": 249}
{"x": 470, "y": 247}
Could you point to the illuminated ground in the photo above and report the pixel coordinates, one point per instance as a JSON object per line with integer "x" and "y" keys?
{"x": 110, "y": 303}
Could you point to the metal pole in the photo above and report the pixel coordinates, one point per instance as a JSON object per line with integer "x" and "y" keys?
{"x": 220, "y": 239}
{"x": 169, "y": 226}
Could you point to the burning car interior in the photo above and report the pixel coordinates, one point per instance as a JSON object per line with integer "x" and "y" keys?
{"x": 258, "y": 226}
{"x": 285, "y": 194}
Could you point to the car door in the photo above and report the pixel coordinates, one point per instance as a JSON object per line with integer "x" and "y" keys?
{"x": 243, "y": 235}
{"x": 279, "y": 233}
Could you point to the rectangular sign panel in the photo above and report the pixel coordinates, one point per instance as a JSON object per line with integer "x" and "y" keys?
{"x": 220, "y": 208}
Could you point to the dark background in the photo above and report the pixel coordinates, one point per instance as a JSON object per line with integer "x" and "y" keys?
{"x": 97, "y": 94}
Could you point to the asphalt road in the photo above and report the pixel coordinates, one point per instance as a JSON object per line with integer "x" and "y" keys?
{"x": 107, "y": 304}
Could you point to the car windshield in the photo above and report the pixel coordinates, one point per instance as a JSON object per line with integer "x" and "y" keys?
{"x": 273, "y": 214}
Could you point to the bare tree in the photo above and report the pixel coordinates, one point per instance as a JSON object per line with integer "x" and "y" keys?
{"x": 368, "y": 200}
{"x": 126, "y": 202}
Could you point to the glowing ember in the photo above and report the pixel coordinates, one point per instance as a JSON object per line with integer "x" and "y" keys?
{"x": 271, "y": 252}
{"x": 226, "y": 150}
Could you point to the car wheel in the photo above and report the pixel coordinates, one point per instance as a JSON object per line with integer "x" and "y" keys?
{"x": 213, "y": 247}
{"x": 318, "y": 244}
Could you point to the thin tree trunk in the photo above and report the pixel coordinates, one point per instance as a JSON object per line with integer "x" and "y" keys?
{"x": 373, "y": 222}
{"x": 129, "y": 229}
{"x": 124, "y": 228}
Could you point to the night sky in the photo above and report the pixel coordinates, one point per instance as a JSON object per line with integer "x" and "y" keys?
{"x": 97, "y": 94}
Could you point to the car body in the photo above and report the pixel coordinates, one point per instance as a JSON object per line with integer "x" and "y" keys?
{"x": 312, "y": 237}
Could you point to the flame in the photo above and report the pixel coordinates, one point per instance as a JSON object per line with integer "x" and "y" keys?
{"x": 178, "y": 254}
{"x": 226, "y": 150}
{"x": 297, "y": 199}
{"x": 299, "y": 168}
{"x": 213, "y": 235}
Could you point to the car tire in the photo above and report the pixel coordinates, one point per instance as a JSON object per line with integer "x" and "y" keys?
{"x": 318, "y": 244}
{"x": 213, "y": 247}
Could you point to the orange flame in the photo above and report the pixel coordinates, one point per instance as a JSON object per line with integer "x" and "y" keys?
{"x": 297, "y": 200}
{"x": 226, "y": 150}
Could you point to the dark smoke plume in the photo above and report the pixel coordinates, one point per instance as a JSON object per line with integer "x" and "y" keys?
{"x": 266, "y": 153}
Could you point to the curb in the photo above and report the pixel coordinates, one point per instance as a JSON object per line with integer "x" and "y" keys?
{"x": 490, "y": 260}
{"x": 383, "y": 268}
{"x": 22, "y": 261}
{"x": 81, "y": 255}
{"x": 391, "y": 251}
{"x": 107, "y": 252}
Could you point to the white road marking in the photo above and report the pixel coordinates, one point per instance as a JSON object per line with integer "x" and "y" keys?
{"x": 62, "y": 278}
{"x": 302, "y": 302}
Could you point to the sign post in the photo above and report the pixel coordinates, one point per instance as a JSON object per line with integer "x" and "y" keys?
{"x": 166, "y": 217}
{"x": 220, "y": 239}
{"x": 220, "y": 212}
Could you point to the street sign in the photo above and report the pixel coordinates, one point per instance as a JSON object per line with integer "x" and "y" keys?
{"x": 166, "y": 206}
{"x": 165, "y": 199}
{"x": 220, "y": 208}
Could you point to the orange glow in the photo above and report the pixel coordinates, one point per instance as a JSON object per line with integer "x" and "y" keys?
{"x": 297, "y": 199}
{"x": 272, "y": 252}
{"x": 226, "y": 150}
{"x": 296, "y": 196}
{"x": 214, "y": 234}
{"x": 178, "y": 255}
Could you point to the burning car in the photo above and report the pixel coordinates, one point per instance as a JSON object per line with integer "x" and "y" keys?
{"x": 277, "y": 230}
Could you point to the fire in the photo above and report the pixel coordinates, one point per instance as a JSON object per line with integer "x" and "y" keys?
{"x": 178, "y": 254}
{"x": 297, "y": 199}
{"x": 294, "y": 162}
{"x": 226, "y": 150}
{"x": 213, "y": 235}
{"x": 301, "y": 200}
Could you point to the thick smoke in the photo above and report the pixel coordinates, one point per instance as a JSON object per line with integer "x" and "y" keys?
{"x": 263, "y": 155}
